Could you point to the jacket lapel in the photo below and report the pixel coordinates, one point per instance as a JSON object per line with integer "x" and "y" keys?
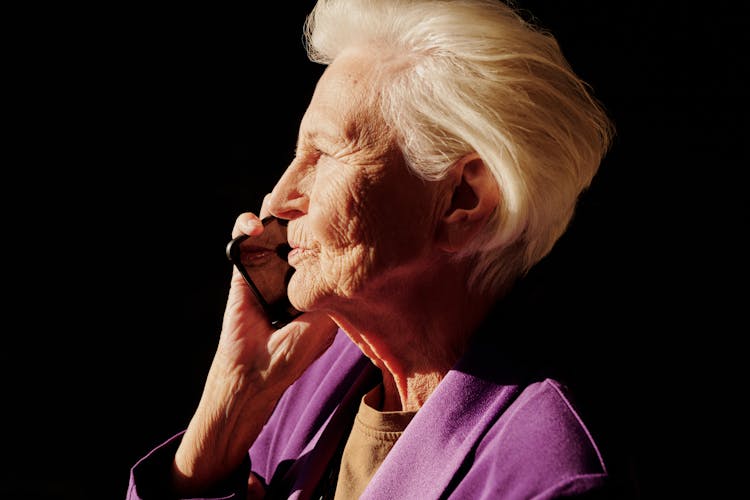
{"x": 309, "y": 469}
{"x": 428, "y": 455}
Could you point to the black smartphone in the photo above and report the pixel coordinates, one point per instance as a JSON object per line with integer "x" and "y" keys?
{"x": 262, "y": 261}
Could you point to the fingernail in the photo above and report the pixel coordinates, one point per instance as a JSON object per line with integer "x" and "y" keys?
{"x": 251, "y": 224}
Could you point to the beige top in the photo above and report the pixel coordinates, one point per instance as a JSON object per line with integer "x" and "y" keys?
{"x": 373, "y": 435}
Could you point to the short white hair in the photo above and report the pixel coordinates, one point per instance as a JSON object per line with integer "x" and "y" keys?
{"x": 478, "y": 78}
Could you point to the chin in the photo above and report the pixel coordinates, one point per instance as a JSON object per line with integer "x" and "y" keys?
{"x": 306, "y": 293}
{"x": 301, "y": 293}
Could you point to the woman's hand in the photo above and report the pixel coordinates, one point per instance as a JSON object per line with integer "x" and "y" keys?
{"x": 253, "y": 365}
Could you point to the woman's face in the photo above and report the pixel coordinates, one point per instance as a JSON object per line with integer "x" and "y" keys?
{"x": 360, "y": 222}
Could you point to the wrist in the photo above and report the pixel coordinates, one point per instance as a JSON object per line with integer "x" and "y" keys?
{"x": 227, "y": 421}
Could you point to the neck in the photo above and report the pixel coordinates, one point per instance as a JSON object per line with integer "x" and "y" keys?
{"x": 414, "y": 334}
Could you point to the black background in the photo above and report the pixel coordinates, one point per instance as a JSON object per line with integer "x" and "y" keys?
{"x": 137, "y": 133}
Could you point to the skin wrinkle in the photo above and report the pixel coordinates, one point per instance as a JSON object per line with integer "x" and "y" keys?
{"x": 370, "y": 224}
{"x": 358, "y": 148}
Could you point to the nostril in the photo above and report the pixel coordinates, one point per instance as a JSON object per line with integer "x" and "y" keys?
{"x": 288, "y": 215}
{"x": 286, "y": 204}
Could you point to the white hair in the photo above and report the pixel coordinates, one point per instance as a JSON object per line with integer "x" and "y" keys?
{"x": 478, "y": 78}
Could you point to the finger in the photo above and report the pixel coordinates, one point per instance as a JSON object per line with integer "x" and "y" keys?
{"x": 247, "y": 223}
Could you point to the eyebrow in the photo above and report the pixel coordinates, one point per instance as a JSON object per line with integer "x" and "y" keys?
{"x": 324, "y": 134}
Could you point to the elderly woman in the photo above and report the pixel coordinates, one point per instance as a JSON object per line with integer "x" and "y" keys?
{"x": 440, "y": 158}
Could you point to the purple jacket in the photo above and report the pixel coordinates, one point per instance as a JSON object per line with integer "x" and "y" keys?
{"x": 484, "y": 433}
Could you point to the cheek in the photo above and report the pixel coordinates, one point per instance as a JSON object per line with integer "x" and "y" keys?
{"x": 361, "y": 227}
{"x": 337, "y": 267}
{"x": 401, "y": 222}
{"x": 300, "y": 289}
{"x": 338, "y": 211}
{"x": 327, "y": 276}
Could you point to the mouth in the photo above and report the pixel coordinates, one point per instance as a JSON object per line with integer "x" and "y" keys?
{"x": 295, "y": 253}
{"x": 299, "y": 245}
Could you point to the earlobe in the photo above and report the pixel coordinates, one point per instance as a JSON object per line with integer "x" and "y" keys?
{"x": 474, "y": 198}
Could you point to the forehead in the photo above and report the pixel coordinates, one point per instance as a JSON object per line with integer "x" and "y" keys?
{"x": 345, "y": 98}
{"x": 353, "y": 74}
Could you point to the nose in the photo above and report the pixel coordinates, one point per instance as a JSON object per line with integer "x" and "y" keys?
{"x": 289, "y": 198}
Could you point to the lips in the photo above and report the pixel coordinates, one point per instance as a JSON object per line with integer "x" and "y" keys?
{"x": 297, "y": 249}
{"x": 295, "y": 253}
{"x": 294, "y": 245}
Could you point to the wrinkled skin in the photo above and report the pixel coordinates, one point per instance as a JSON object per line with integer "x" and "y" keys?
{"x": 360, "y": 219}
{"x": 362, "y": 225}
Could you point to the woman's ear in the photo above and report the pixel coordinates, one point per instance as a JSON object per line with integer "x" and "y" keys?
{"x": 474, "y": 197}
